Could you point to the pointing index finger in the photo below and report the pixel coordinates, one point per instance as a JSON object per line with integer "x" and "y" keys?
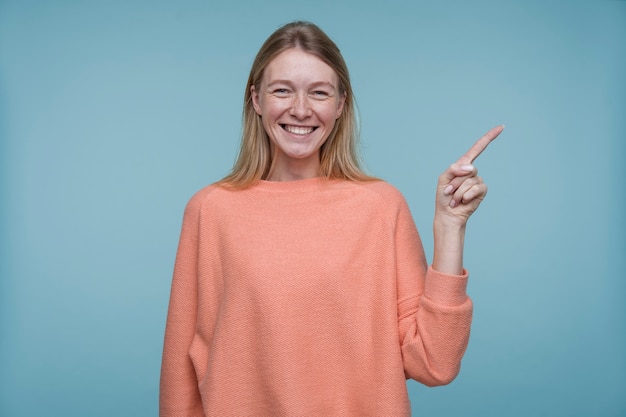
{"x": 480, "y": 145}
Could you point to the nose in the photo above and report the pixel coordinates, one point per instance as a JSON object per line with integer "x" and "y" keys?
{"x": 300, "y": 106}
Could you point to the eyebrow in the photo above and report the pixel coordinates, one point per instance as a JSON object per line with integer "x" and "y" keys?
{"x": 313, "y": 85}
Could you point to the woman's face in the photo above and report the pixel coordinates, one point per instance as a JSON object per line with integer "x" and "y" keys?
{"x": 299, "y": 102}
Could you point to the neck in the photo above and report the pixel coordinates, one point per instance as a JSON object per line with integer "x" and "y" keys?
{"x": 294, "y": 169}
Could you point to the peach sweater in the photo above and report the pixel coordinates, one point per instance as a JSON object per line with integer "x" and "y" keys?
{"x": 306, "y": 298}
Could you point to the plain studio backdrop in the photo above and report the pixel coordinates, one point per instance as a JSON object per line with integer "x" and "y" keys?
{"x": 113, "y": 113}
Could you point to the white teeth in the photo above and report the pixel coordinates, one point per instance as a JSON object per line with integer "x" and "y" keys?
{"x": 297, "y": 130}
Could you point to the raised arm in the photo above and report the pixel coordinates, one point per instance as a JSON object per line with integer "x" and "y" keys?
{"x": 459, "y": 193}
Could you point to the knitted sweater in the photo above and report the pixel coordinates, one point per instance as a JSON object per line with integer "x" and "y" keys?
{"x": 306, "y": 298}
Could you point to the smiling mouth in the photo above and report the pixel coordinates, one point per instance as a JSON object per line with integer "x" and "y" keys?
{"x": 299, "y": 130}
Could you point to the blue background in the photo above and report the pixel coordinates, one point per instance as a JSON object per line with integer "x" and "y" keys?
{"x": 113, "y": 113}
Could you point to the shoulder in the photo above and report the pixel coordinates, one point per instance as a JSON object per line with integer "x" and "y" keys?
{"x": 200, "y": 197}
{"x": 379, "y": 196}
{"x": 383, "y": 191}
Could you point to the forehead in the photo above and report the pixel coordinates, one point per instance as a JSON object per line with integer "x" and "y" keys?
{"x": 296, "y": 65}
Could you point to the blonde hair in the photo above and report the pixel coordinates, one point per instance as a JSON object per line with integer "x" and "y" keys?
{"x": 339, "y": 158}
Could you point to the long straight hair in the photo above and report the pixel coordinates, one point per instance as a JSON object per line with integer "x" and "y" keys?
{"x": 339, "y": 157}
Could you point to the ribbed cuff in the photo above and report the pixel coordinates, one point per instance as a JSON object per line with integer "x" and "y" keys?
{"x": 445, "y": 289}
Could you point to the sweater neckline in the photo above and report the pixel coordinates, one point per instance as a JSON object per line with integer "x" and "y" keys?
{"x": 303, "y": 185}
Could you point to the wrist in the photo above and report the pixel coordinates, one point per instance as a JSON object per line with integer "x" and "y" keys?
{"x": 446, "y": 225}
{"x": 449, "y": 238}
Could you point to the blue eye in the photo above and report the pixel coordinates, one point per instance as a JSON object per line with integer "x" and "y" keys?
{"x": 281, "y": 92}
{"x": 319, "y": 94}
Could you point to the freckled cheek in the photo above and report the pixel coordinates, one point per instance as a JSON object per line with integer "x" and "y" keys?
{"x": 279, "y": 109}
{"x": 326, "y": 113}
{"x": 271, "y": 116}
{"x": 330, "y": 116}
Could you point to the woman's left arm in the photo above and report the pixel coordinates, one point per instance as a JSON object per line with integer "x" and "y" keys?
{"x": 459, "y": 193}
{"x": 435, "y": 324}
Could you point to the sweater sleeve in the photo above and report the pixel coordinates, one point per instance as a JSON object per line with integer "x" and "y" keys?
{"x": 434, "y": 311}
{"x": 179, "y": 394}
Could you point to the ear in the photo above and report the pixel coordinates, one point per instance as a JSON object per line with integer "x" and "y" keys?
{"x": 342, "y": 101}
{"x": 255, "y": 99}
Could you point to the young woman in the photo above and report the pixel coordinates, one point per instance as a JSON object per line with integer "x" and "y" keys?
{"x": 301, "y": 286}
